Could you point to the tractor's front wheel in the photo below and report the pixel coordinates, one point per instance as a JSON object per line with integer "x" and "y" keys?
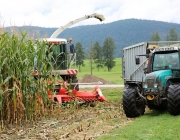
{"x": 133, "y": 104}
{"x": 173, "y": 99}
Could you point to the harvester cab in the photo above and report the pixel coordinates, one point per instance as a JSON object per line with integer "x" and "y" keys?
{"x": 61, "y": 60}
{"x": 64, "y": 57}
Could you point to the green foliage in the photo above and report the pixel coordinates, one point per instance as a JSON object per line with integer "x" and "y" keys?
{"x": 80, "y": 55}
{"x": 155, "y": 37}
{"x": 114, "y": 76}
{"x": 90, "y": 56}
{"x": 172, "y": 35}
{"x": 108, "y": 53}
{"x": 112, "y": 94}
{"x": 97, "y": 55}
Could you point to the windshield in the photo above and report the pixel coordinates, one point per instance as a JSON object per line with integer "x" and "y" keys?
{"x": 166, "y": 61}
{"x": 58, "y": 60}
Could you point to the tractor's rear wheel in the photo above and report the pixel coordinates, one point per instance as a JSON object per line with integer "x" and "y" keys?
{"x": 173, "y": 99}
{"x": 133, "y": 104}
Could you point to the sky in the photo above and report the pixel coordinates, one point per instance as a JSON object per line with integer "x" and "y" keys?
{"x": 57, "y": 13}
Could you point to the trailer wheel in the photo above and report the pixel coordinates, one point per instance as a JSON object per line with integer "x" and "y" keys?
{"x": 133, "y": 104}
{"x": 173, "y": 99}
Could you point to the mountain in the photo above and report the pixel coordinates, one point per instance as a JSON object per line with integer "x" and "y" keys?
{"x": 124, "y": 32}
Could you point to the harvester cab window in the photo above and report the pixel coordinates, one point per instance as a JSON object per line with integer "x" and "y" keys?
{"x": 58, "y": 59}
{"x": 166, "y": 61}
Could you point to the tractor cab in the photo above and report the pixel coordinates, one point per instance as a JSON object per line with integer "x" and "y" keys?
{"x": 163, "y": 68}
{"x": 165, "y": 58}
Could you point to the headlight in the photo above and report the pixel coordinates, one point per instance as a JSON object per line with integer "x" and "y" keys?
{"x": 145, "y": 85}
{"x": 155, "y": 85}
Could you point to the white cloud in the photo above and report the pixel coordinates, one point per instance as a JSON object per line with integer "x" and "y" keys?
{"x": 48, "y": 13}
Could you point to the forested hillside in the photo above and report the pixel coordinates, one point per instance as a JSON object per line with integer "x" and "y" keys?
{"x": 124, "y": 32}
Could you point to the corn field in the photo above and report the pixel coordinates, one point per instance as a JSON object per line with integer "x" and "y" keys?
{"x": 22, "y": 97}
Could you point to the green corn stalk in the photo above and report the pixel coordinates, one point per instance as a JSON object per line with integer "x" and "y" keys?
{"x": 18, "y": 87}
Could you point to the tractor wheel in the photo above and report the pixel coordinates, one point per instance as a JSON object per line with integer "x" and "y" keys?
{"x": 173, "y": 99}
{"x": 133, "y": 104}
{"x": 75, "y": 80}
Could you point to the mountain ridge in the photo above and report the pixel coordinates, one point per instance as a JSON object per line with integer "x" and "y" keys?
{"x": 124, "y": 32}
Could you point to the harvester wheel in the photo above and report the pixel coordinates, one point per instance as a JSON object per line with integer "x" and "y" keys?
{"x": 173, "y": 99}
{"x": 75, "y": 80}
{"x": 92, "y": 104}
{"x": 133, "y": 104}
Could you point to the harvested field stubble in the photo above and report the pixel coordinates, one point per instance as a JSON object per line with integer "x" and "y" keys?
{"x": 72, "y": 122}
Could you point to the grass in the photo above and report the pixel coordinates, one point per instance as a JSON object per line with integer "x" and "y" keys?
{"x": 152, "y": 126}
{"x": 113, "y": 94}
{"x": 115, "y": 75}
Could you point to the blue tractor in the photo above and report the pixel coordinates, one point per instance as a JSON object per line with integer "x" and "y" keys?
{"x": 160, "y": 85}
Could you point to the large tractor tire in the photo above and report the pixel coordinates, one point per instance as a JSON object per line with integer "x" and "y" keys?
{"x": 173, "y": 99}
{"x": 133, "y": 104}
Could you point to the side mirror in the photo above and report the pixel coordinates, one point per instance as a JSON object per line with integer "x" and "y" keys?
{"x": 137, "y": 59}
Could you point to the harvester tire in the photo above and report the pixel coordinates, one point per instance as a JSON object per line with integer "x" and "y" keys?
{"x": 173, "y": 99}
{"x": 133, "y": 104}
{"x": 75, "y": 80}
{"x": 92, "y": 104}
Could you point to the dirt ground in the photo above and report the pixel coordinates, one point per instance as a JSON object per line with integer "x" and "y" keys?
{"x": 91, "y": 79}
{"x": 72, "y": 122}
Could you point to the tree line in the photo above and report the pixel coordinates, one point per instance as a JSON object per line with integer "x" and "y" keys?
{"x": 172, "y": 35}
{"x": 101, "y": 56}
